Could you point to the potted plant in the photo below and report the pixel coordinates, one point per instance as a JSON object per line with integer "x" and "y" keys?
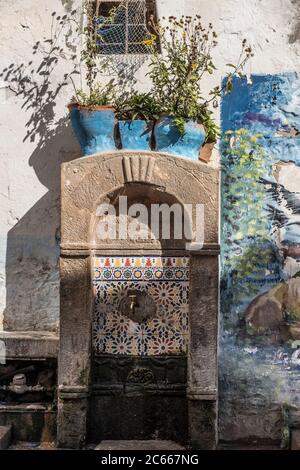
{"x": 186, "y": 120}
{"x": 136, "y": 114}
{"x": 92, "y": 112}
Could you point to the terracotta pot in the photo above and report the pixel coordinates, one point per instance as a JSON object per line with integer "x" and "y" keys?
{"x": 206, "y": 151}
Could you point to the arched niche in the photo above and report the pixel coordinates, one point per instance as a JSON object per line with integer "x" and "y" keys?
{"x": 138, "y": 206}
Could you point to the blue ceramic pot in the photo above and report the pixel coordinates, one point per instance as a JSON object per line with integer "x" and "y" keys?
{"x": 94, "y": 128}
{"x": 168, "y": 138}
{"x": 136, "y": 135}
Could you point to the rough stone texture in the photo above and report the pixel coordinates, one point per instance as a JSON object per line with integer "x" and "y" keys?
{"x": 295, "y": 441}
{"x": 24, "y": 445}
{"x": 76, "y": 315}
{"x": 72, "y": 421}
{"x": 5, "y": 437}
{"x": 126, "y": 406}
{"x": 203, "y": 326}
{"x": 75, "y": 351}
{"x": 138, "y": 412}
{"x": 202, "y": 353}
{"x": 203, "y": 427}
{"x": 87, "y": 182}
{"x": 35, "y": 423}
{"x": 138, "y": 445}
{"x": 29, "y": 344}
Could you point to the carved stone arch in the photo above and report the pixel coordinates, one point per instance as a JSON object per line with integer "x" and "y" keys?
{"x": 84, "y": 181}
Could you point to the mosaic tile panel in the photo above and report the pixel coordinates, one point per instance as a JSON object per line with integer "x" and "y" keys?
{"x": 165, "y": 280}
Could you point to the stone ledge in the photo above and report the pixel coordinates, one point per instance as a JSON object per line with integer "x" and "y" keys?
{"x": 25, "y": 408}
{"x": 89, "y": 249}
{"x": 35, "y": 422}
{"x": 29, "y": 344}
{"x": 105, "y": 156}
{"x": 206, "y": 394}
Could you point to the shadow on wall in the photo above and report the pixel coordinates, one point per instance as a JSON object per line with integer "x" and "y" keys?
{"x": 32, "y": 277}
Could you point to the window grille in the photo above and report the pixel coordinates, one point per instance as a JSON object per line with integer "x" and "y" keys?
{"x": 123, "y": 26}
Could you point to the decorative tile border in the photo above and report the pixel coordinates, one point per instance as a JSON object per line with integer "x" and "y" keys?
{"x": 141, "y": 268}
{"x": 165, "y": 279}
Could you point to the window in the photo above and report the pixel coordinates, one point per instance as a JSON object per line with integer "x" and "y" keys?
{"x": 122, "y": 26}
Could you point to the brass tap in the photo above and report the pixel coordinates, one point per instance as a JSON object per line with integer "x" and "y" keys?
{"x": 133, "y": 303}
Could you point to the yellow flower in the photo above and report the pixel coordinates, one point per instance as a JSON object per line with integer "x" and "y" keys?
{"x": 150, "y": 42}
{"x": 194, "y": 66}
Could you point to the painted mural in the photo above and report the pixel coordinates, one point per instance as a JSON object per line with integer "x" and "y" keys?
{"x": 260, "y": 285}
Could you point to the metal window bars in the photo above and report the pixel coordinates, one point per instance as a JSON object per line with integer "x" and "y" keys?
{"x": 122, "y": 26}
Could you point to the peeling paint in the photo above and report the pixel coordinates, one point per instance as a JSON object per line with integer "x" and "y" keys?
{"x": 260, "y": 284}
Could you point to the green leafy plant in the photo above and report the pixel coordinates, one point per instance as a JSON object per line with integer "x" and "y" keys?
{"x": 137, "y": 106}
{"x": 97, "y": 96}
{"x": 177, "y": 74}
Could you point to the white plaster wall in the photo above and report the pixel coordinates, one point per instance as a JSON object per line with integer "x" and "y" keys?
{"x": 29, "y": 170}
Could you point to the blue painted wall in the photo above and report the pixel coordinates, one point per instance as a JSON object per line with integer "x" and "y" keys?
{"x": 260, "y": 240}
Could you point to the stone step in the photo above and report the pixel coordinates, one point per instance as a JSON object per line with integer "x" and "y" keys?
{"x": 139, "y": 445}
{"x": 5, "y": 437}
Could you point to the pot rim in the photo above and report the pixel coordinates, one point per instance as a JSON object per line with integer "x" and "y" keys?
{"x": 91, "y": 108}
{"x": 133, "y": 120}
{"x": 163, "y": 115}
